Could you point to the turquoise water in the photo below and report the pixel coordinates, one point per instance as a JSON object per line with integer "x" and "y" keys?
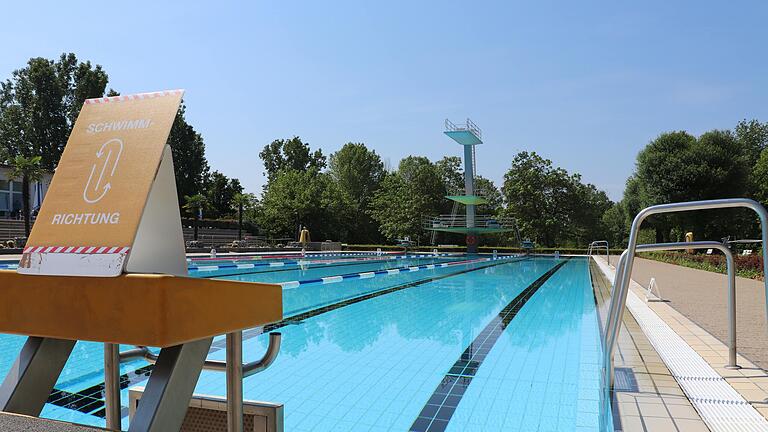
{"x": 382, "y": 353}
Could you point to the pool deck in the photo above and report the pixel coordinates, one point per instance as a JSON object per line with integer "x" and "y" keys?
{"x": 701, "y": 295}
{"x": 20, "y": 423}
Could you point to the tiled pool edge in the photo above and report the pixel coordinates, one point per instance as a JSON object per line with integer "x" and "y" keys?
{"x": 708, "y": 385}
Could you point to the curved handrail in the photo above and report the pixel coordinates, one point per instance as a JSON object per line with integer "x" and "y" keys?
{"x": 249, "y": 368}
{"x": 616, "y": 313}
{"x": 622, "y": 279}
{"x": 600, "y": 244}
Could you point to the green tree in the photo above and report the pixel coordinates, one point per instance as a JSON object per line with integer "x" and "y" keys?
{"x": 753, "y": 136}
{"x": 290, "y": 154}
{"x": 220, "y": 191}
{"x": 491, "y": 193}
{"x": 451, "y": 173}
{"x": 195, "y": 205}
{"x": 551, "y": 206}
{"x": 615, "y": 222}
{"x": 242, "y": 202}
{"x": 80, "y": 81}
{"x": 407, "y": 197}
{"x": 527, "y": 190}
{"x": 358, "y": 172}
{"x": 39, "y": 103}
{"x": 425, "y": 183}
{"x": 395, "y": 209}
{"x": 677, "y": 166}
{"x": 28, "y": 170}
{"x": 587, "y": 205}
{"x": 760, "y": 177}
{"x": 293, "y": 198}
{"x": 189, "y": 163}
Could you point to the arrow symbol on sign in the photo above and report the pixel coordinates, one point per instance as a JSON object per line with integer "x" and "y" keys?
{"x": 105, "y": 162}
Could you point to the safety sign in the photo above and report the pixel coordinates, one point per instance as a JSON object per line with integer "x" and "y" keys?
{"x": 100, "y": 195}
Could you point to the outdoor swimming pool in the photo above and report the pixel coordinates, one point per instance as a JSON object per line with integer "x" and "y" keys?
{"x": 416, "y": 343}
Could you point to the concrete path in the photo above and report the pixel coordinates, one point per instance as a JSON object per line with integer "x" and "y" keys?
{"x": 702, "y": 297}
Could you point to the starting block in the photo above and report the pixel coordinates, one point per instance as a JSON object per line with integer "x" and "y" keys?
{"x": 105, "y": 262}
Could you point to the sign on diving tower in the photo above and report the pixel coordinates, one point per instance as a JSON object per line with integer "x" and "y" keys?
{"x": 471, "y": 225}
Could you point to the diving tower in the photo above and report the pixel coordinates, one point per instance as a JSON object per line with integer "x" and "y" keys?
{"x": 469, "y": 136}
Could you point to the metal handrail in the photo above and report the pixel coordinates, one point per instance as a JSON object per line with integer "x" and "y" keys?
{"x": 249, "y": 368}
{"x": 233, "y": 366}
{"x": 461, "y": 221}
{"x": 468, "y": 126}
{"x": 600, "y": 244}
{"x": 616, "y": 312}
{"x": 622, "y": 278}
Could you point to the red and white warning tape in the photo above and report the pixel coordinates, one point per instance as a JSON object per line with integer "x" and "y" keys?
{"x": 77, "y": 249}
{"x": 133, "y": 97}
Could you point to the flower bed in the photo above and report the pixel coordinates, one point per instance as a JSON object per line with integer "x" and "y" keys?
{"x": 748, "y": 266}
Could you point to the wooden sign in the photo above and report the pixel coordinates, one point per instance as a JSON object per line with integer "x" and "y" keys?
{"x": 113, "y": 192}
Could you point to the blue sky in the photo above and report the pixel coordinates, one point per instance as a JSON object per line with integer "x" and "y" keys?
{"x": 585, "y": 84}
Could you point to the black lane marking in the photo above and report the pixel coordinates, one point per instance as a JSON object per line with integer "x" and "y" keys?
{"x": 91, "y": 400}
{"x": 442, "y": 404}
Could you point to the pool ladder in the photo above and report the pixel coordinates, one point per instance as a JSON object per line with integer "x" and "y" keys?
{"x": 626, "y": 262}
{"x": 600, "y": 244}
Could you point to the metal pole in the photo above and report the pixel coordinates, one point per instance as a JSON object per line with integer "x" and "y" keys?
{"x": 731, "y": 308}
{"x": 112, "y": 386}
{"x": 235, "y": 381}
{"x": 613, "y": 319}
{"x": 469, "y": 189}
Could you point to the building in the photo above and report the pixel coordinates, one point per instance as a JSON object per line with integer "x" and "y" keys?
{"x": 11, "y": 206}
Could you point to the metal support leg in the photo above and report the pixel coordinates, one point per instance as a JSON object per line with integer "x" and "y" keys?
{"x": 33, "y": 374}
{"x": 170, "y": 387}
{"x": 235, "y": 382}
{"x": 731, "y": 310}
{"x": 112, "y": 385}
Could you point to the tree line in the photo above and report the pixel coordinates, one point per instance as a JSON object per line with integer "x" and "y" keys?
{"x": 351, "y": 196}
{"x": 678, "y": 166}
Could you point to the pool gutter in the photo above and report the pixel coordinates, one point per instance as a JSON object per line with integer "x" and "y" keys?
{"x": 720, "y": 406}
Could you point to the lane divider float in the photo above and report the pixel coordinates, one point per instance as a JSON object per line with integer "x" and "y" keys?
{"x": 387, "y": 272}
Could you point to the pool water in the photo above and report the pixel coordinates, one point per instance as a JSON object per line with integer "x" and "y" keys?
{"x": 485, "y": 345}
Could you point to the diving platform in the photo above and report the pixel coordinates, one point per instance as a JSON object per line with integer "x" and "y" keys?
{"x": 467, "y": 134}
{"x": 458, "y": 224}
{"x": 468, "y": 199}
